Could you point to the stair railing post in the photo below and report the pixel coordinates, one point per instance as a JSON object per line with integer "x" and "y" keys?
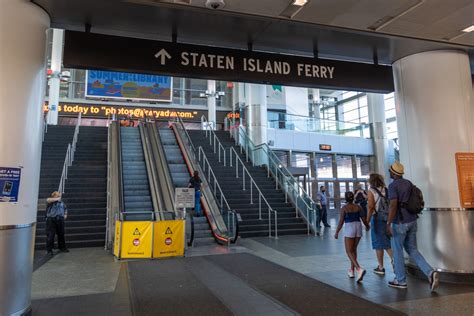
{"x": 224, "y": 158}
{"x": 251, "y": 192}
{"x": 276, "y": 225}
{"x": 259, "y": 206}
{"x": 243, "y": 178}
{"x": 269, "y": 223}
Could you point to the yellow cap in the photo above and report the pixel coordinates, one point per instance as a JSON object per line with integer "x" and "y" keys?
{"x": 397, "y": 168}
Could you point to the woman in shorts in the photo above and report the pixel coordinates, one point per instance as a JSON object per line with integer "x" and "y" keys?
{"x": 351, "y": 217}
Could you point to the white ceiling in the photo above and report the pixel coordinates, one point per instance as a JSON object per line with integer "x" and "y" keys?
{"x": 439, "y": 20}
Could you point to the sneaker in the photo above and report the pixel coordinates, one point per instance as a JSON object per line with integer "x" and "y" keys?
{"x": 360, "y": 274}
{"x": 397, "y": 285}
{"x": 434, "y": 280}
{"x": 327, "y": 226}
{"x": 379, "y": 271}
{"x": 393, "y": 264}
{"x": 350, "y": 273}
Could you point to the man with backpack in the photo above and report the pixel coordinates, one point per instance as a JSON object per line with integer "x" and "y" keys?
{"x": 406, "y": 202}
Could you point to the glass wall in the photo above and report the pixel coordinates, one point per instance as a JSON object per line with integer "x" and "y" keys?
{"x": 391, "y": 116}
{"x": 324, "y": 168}
{"x": 344, "y": 167}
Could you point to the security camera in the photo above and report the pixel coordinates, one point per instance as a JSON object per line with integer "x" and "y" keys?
{"x": 215, "y": 4}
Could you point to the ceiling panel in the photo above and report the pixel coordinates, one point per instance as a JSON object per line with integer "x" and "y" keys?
{"x": 194, "y": 24}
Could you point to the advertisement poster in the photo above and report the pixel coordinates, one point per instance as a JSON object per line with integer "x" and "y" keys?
{"x": 129, "y": 86}
{"x": 9, "y": 184}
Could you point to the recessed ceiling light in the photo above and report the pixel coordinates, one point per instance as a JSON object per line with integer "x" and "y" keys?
{"x": 469, "y": 29}
{"x": 300, "y": 2}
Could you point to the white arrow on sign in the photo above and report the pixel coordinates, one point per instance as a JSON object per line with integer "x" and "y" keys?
{"x": 163, "y": 55}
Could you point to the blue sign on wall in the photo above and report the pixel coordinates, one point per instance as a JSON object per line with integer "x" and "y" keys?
{"x": 124, "y": 85}
{"x": 9, "y": 184}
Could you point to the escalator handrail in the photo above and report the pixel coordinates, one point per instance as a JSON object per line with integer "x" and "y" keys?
{"x": 161, "y": 159}
{"x": 193, "y": 153}
{"x": 120, "y": 170}
{"x": 151, "y": 171}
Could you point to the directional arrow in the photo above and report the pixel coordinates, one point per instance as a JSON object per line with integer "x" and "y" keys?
{"x": 163, "y": 55}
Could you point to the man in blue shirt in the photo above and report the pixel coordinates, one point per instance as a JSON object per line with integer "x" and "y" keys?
{"x": 402, "y": 226}
{"x": 56, "y": 213}
{"x": 321, "y": 212}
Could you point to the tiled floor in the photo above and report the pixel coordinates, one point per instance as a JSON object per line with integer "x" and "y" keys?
{"x": 324, "y": 259}
{"x": 75, "y": 283}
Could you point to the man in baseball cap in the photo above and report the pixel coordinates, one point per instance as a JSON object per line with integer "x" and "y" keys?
{"x": 402, "y": 225}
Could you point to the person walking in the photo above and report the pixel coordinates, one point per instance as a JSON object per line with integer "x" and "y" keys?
{"x": 321, "y": 211}
{"x": 195, "y": 182}
{"x": 56, "y": 213}
{"x": 377, "y": 216}
{"x": 402, "y": 226}
{"x": 361, "y": 198}
{"x": 351, "y": 217}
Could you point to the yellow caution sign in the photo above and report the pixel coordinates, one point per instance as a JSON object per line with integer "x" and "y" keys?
{"x": 118, "y": 225}
{"x": 168, "y": 239}
{"x": 136, "y": 239}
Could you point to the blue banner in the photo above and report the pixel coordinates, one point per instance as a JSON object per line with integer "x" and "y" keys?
{"x": 124, "y": 85}
{"x": 9, "y": 184}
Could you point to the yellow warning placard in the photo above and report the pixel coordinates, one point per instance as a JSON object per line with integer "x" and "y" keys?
{"x": 168, "y": 239}
{"x": 117, "y": 239}
{"x": 136, "y": 239}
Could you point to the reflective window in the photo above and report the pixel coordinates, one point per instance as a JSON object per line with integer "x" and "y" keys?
{"x": 300, "y": 160}
{"x": 363, "y": 167}
{"x": 344, "y": 167}
{"x": 324, "y": 166}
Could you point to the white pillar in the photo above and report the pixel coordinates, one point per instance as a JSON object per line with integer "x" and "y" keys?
{"x": 22, "y": 80}
{"x": 434, "y": 117}
{"x": 55, "y": 81}
{"x": 376, "y": 107}
{"x": 257, "y": 113}
{"x": 211, "y": 103}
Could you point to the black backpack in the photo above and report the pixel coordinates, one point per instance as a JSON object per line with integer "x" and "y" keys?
{"x": 415, "y": 203}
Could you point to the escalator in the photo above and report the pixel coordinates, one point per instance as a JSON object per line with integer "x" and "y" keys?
{"x": 136, "y": 188}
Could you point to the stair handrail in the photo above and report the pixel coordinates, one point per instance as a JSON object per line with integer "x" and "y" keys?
{"x": 45, "y": 127}
{"x": 68, "y": 160}
{"x": 260, "y": 194}
{"x": 213, "y": 139}
{"x": 202, "y": 157}
{"x": 284, "y": 178}
{"x": 235, "y": 216}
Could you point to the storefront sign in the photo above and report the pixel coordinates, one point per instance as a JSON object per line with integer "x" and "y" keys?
{"x": 123, "y": 85}
{"x": 9, "y": 184}
{"x": 134, "y": 112}
{"x": 465, "y": 171}
{"x": 98, "y": 51}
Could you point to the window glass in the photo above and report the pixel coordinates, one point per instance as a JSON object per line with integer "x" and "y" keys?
{"x": 324, "y": 166}
{"x": 344, "y": 167}
{"x": 300, "y": 160}
{"x": 363, "y": 167}
{"x": 283, "y": 155}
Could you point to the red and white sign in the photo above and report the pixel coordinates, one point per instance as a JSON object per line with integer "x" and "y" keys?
{"x": 168, "y": 241}
{"x": 136, "y": 242}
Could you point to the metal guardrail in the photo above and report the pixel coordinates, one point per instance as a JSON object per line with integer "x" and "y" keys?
{"x": 214, "y": 140}
{"x": 252, "y": 183}
{"x": 206, "y": 166}
{"x": 202, "y": 161}
{"x": 304, "y": 204}
{"x": 68, "y": 160}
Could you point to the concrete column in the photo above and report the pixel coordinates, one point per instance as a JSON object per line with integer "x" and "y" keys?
{"x": 376, "y": 109}
{"x": 257, "y": 113}
{"x": 23, "y": 28}
{"x": 211, "y": 103}
{"x": 55, "y": 80}
{"x": 434, "y": 116}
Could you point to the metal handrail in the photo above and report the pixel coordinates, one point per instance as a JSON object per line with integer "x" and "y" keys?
{"x": 68, "y": 160}
{"x": 260, "y": 194}
{"x": 45, "y": 127}
{"x": 235, "y": 219}
{"x": 284, "y": 178}
{"x": 202, "y": 156}
{"x": 213, "y": 139}
{"x": 205, "y": 162}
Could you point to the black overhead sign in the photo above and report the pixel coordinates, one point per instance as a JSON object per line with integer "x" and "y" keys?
{"x": 97, "y": 51}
